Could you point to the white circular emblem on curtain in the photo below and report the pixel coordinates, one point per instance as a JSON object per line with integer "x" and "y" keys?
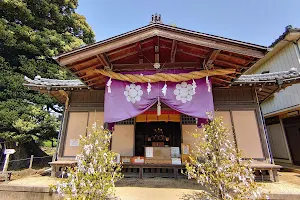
{"x": 184, "y": 92}
{"x": 133, "y": 93}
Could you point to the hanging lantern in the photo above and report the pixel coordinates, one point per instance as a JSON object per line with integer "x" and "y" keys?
{"x": 158, "y": 107}
{"x": 108, "y": 85}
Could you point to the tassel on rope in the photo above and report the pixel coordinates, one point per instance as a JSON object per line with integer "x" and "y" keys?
{"x": 164, "y": 89}
{"x": 108, "y": 85}
{"x": 149, "y": 87}
{"x": 194, "y": 85}
{"x": 158, "y": 107}
{"x": 208, "y": 84}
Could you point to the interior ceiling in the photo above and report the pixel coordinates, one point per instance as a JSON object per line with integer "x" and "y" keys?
{"x": 171, "y": 54}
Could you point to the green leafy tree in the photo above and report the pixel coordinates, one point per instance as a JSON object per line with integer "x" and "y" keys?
{"x": 31, "y": 32}
{"x": 218, "y": 165}
{"x": 96, "y": 172}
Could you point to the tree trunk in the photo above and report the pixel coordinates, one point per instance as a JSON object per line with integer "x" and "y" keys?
{"x": 24, "y": 151}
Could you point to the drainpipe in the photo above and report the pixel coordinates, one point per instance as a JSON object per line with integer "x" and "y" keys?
{"x": 265, "y": 130}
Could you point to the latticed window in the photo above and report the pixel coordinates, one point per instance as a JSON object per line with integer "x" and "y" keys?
{"x": 185, "y": 119}
{"x": 126, "y": 122}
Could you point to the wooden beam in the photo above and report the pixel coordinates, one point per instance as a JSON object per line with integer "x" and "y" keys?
{"x": 129, "y": 47}
{"x": 181, "y": 44}
{"x": 87, "y": 69}
{"x": 100, "y": 81}
{"x": 129, "y": 54}
{"x": 92, "y": 79}
{"x": 149, "y": 65}
{"x": 191, "y": 54}
{"x": 218, "y": 83}
{"x": 93, "y": 59}
{"x": 140, "y": 51}
{"x": 223, "y": 80}
{"x": 156, "y": 51}
{"x": 173, "y": 51}
{"x": 212, "y": 57}
{"x": 230, "y": 64}
{"x": 228, "y": 76}
{"x": 105, "y": 60}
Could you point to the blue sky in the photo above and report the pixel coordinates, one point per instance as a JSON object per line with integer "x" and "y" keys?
{"x": 255, "y": 21}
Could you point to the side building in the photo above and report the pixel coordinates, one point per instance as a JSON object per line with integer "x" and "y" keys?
{"x": 282, "y": 109}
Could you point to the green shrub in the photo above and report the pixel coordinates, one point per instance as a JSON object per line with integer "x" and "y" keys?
{"x": 96, "y": 172}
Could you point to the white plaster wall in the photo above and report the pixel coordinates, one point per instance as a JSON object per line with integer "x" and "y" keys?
{"x": 283, "y": 60}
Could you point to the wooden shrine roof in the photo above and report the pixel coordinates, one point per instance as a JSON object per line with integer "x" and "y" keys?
{"x": 266, "y": 84}
{"x": 171, "y": 47}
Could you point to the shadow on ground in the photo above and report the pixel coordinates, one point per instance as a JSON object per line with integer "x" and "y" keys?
{"x": 192, "y": 196}
{"x": 159, "y": 183}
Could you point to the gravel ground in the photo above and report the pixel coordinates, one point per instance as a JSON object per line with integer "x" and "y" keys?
{"x": 161, "y": 188}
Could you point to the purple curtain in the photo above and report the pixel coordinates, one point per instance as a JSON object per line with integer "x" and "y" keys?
{"x": 128, "y": 100}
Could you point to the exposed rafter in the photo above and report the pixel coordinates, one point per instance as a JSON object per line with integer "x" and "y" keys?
{"x": 230, "y": 64}
{"x": 222, "y": 80}
{"x": 191, "y": 54}
{"x": 140, "y": 52}
{"x": 156, "y": 50}
{"x": 149, "y": 65}
{"x": 173, "y": 51}
{"x": 129, "y": 54}
{"x": 105, "y": 61}
{"x": 212, "y": 57}
{"x": 88, "y": 68}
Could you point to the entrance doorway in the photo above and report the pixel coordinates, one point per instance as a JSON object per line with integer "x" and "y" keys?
{"x": 156, "y": 134}
{"x": 292, "y": 130}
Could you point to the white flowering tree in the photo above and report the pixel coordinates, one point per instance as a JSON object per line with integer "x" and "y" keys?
{"x": 96, "y": 172}
{"x": 218, "y": 165}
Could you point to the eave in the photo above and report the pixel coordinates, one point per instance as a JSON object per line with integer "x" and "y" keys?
{"x": 171, "y": 47}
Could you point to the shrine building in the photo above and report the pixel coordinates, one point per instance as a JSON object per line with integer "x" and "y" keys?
{"x": 153, "y": 86}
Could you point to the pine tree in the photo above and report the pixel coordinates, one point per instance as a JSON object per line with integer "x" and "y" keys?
{"x": 96, "y": 171}
{"x": 31, "y": 32}
{"x": 218, "y": 165}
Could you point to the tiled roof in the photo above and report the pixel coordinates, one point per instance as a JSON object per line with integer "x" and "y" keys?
{"x": 38, "y": 81}
{"x": 269, "y": 77}
{"x": 253, "y": 78}
{"x": 288, "y": 29}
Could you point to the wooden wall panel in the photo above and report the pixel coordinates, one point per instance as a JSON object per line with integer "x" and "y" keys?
{"x": 247, "y": 133}
{"x": 87, "y": 98}
{"x": 77, "y": 123}
{"x": 187, "y": 137}
{"x": 234, "y": 95}
{"x": 227, "y": 122}
{"x": 123, "y": 140}
{"x": 97, "y": 117}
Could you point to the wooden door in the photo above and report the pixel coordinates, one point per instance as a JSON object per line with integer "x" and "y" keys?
{"x": 292, "y": 131}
